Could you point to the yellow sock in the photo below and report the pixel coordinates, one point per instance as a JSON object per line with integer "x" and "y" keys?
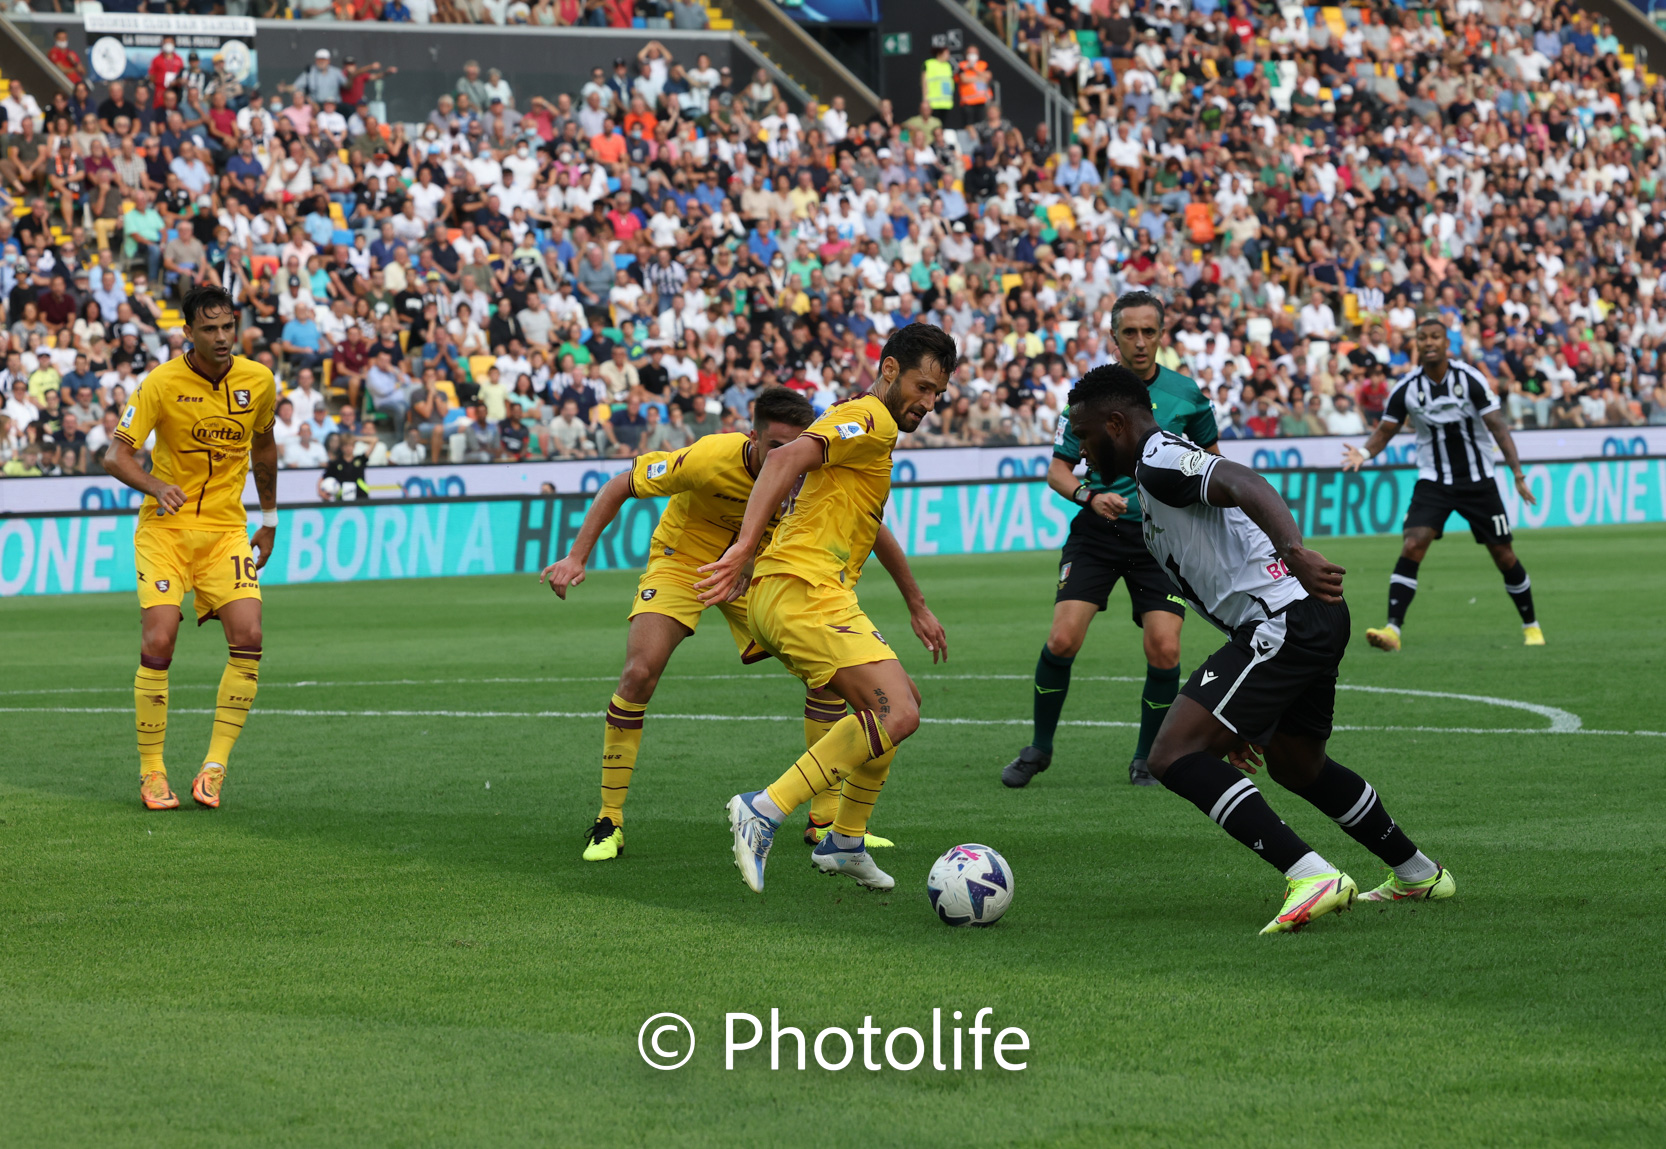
{"x": 150, "y": 712}
{"x": 860, "y": 792}
{"x": 621, "y": 739}
{"x": 853, "y": 740}
{"x": 820, "y": 716}
{"x": 231, "y": 707}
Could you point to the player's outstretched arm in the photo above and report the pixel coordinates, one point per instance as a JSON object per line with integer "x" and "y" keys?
{"x": 1500, "y": 429}
{"x": 120, "y": 465}
{"x": 779, "y": 475}
{"x": 263, "y": 462}
{"x": 1353, "y": 457}
{"x": 1234, "y": 485}
{"x": 888, "y": 551}
{"x": 569, "y": 570}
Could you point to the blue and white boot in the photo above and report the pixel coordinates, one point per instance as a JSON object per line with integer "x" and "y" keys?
{"x": 754, "y": 835}
{"x": 855, "y": 863}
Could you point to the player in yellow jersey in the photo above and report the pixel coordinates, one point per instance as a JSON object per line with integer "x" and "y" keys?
{"x": 708, "y": 485}
{"x": 212, "y": 417}
{"x": 803, "y": 606}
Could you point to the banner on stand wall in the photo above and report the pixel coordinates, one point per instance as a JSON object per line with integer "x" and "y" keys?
{"x": 345, "y": 542}
{"x": 121, "y": 45}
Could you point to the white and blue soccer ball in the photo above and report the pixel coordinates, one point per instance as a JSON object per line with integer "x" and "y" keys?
{"x": 331, "y": 489}
{"x": 970, "y": 885}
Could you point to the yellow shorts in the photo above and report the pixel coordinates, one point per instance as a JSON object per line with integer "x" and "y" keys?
{"x": 667, "y": 587}
{"x": 815, "y": 631}
{"x": 218, "y": 565}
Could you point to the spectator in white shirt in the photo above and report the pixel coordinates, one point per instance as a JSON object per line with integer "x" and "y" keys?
{"x": 1318, "y": 321}
{"x": 409, "y": 452}
{"x": 302, "y": 451}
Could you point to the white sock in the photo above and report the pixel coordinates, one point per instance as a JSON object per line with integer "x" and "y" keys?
{"x": 762, "y": 804}
{"x": 1530, "y": 625}
{"x": 1391, "y": 626}
{"x": 1417, "y": 868}
{"x": 1309, "y": 865}
{"x": 845, "y": 841}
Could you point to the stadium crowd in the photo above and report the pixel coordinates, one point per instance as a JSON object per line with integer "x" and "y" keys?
{"x": 621, "y": 268}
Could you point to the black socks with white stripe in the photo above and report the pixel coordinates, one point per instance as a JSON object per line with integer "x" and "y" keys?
{"x": 1351, "y": 802}
{"x": 1232, "y": 800}
{"x": 1520, "y": 589}
{"x": 1220, "y": 791}
{"x": 1402, "y": 586}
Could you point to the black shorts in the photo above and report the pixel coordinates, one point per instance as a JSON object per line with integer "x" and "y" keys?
{"x": 1100, "y": 551}
{"x": 1277, "y": 676}
{"x": 1479, "y": 503}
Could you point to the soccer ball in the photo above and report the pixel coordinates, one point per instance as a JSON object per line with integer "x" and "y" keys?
{"x": 970, "y": 886}
{"x": 331, "y": 488}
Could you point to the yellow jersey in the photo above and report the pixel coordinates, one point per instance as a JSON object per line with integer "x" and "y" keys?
{"x": 708, "y": 483}
{"x": 833, "y": 518}
{"x": 204, "y": 430}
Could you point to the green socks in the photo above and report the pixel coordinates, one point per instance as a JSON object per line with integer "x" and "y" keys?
{"x": 1052, "y": 683}
{"x": 1160, "y": 688}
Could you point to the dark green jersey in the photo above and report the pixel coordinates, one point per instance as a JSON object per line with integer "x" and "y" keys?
{"x": 1179, "y": 408}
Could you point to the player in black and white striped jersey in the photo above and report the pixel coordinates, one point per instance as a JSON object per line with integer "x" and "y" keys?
{"x": 1454, "y": 410}
{"x": 1229, "y": 543}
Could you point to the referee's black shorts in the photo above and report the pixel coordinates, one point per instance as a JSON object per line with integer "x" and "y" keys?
{"x": 1098, "y": 552}
{"x": 1432, "y": 504}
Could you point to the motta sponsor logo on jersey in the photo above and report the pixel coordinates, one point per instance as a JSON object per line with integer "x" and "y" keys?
{"x": 217, "y": 431}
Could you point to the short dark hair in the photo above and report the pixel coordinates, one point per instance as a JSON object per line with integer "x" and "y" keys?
{"x": 912, "y": 345}
{"x": 1140, "y": 298}
{"x": 207, "y": 297}
{"x": 1110, "y": 387}
{"x": 782, "y": 405}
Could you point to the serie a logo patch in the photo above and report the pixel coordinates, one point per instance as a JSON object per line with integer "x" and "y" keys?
{"x": 655, "y": 470}
{"x": 127, "y": 417}
{"x": 850, "y": 430}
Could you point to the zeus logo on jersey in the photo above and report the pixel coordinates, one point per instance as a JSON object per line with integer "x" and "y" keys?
{"x": 850, "y": 430}
{"x": 655, "y": 470}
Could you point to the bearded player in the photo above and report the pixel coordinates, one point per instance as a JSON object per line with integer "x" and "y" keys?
{"x": 707, "y": 484}
{"x": 803, "y": 607}
{"x": 212, "y": 416}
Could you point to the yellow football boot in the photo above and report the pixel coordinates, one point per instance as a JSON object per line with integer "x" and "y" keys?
{"x": 1532, "y": 636}
{"x": 1442, "y": 885}
{"x": 1309, "y": 898}
{"x": 1383, "y": 637}
{"x": 606, "y": 841}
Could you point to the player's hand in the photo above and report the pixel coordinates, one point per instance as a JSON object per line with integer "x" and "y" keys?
{"x": 263, "y": 542}
{"x": 1245, "y": 757}
{"x": 1521, "y": 489}
{"x": 723, "y": 576}
{"x": 1321, "y": 577}
{"x": 1352, "y": 457}
{"x": 1108, "y": 505}
{"x": 742, "y": 585}
{"x": 930, "y": 632}
{"x": 561, "y": 574}
{"x": 171, "y": 498}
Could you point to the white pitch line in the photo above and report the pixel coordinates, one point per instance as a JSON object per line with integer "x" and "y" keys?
{"x": 307, "y": 682}
{"x": 590, "y": 714}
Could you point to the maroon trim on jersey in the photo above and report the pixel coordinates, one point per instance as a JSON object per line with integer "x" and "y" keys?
{"x": 746, "y": 458}
{"x": 214, "y": 383}
{"x": 820, "y": 439}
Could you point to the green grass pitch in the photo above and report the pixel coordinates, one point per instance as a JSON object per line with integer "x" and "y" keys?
{"x": 371, "y": 946}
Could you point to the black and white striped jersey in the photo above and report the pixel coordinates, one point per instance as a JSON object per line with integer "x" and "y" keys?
{"x": 1453, "y": 444}
{"x": 1224, "y": 564}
